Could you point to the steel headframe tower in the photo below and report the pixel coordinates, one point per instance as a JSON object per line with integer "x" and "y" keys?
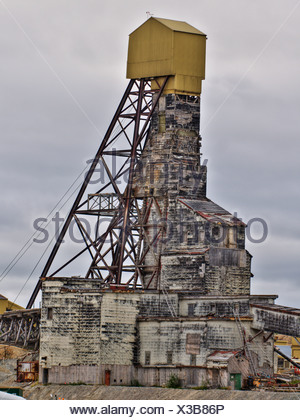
{"x": 164, "y": 57}
{"x": 119, "y": 248}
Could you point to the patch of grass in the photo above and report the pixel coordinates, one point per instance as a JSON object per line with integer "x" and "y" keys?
{"x": 295, "y": 382}
{"x": 135, "y": 382}
{"x": 201, "y": 387}
{"x": 75, "y": 383}
{"x": 173, "y": 382}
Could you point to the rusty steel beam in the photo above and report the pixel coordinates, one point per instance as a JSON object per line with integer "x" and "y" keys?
{"x": 256, "y": 335}
{"x": 268, "y": 337}
{"x": 137, "y": 106}
{"x": 286, "y": 357}
{"x": 129, "y": 188}
{"x": 79, "y": 196}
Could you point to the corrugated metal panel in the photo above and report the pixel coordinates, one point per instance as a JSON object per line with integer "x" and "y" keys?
{"x": 212, "y": 212}
{"x": 189, "y": 55}
{"x": 221, "y": 356}
{"x": 150, "y": 51}
{"x": 205, "y": 206}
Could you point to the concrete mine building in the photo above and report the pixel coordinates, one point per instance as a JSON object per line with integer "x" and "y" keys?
{"x": 187, "y": 309}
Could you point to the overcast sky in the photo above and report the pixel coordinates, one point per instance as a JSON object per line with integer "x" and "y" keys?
{"x": 63, "y": 66}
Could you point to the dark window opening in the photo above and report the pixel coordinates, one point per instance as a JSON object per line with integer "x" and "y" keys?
{"x": 45, "y": 376}
{"x": 191, "y": 309}
{"x": 280, "y": 362}
{"x": 147, "y": 357}
{"x": 169, "y": 357}
{"x": 193, "y": 360}
{"x": 49, "y": 313}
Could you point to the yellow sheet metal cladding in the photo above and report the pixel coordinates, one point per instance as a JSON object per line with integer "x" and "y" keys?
{"x": 162, "y": 47}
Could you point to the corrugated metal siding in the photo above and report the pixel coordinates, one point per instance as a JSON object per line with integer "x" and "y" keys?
{"x": 176, "y": 49}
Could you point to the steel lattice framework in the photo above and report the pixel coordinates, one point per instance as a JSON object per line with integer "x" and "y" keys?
{"x": 117, "y": 255}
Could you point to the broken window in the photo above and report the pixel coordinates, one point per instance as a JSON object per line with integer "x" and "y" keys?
{"x": 147, "y": 357}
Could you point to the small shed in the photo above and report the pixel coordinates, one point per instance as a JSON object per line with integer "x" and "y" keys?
{"x": 164, "y": 47}
{"x": 228, "y": 368}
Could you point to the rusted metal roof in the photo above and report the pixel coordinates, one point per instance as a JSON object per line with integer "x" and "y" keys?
{"x": 211, "y": 212}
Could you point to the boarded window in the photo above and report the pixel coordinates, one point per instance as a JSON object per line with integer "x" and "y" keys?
{"x": 147, "y": 357}
{"x": 193, "y": 343}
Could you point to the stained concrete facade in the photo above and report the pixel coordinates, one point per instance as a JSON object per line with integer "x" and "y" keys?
{"x": 198, "y": 305}
{"x": 87, "y": 331}
{"x": 203, "y": 247}
{"x": 276, "y": 318}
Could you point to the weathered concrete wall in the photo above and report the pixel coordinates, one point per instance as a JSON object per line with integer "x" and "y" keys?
{"x": 86, "y": 330}
{"x": 188, "y": 342}
{"x": 118, "y": 328}
{"x": 193, "y": 271}
{"x": 70, "y": 322}
{"x": 191, "y": 304}
{"x": 276, "y": 319}
{"x": 86, "y": 326}
{"x": 170, "y": 163}
{"x": 158, "y": 304}
{"x": 125, "y": 375}
{"x": 202, "y": 247}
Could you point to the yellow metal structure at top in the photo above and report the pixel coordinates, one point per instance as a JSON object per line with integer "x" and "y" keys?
{"x": 163, "y": 47}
